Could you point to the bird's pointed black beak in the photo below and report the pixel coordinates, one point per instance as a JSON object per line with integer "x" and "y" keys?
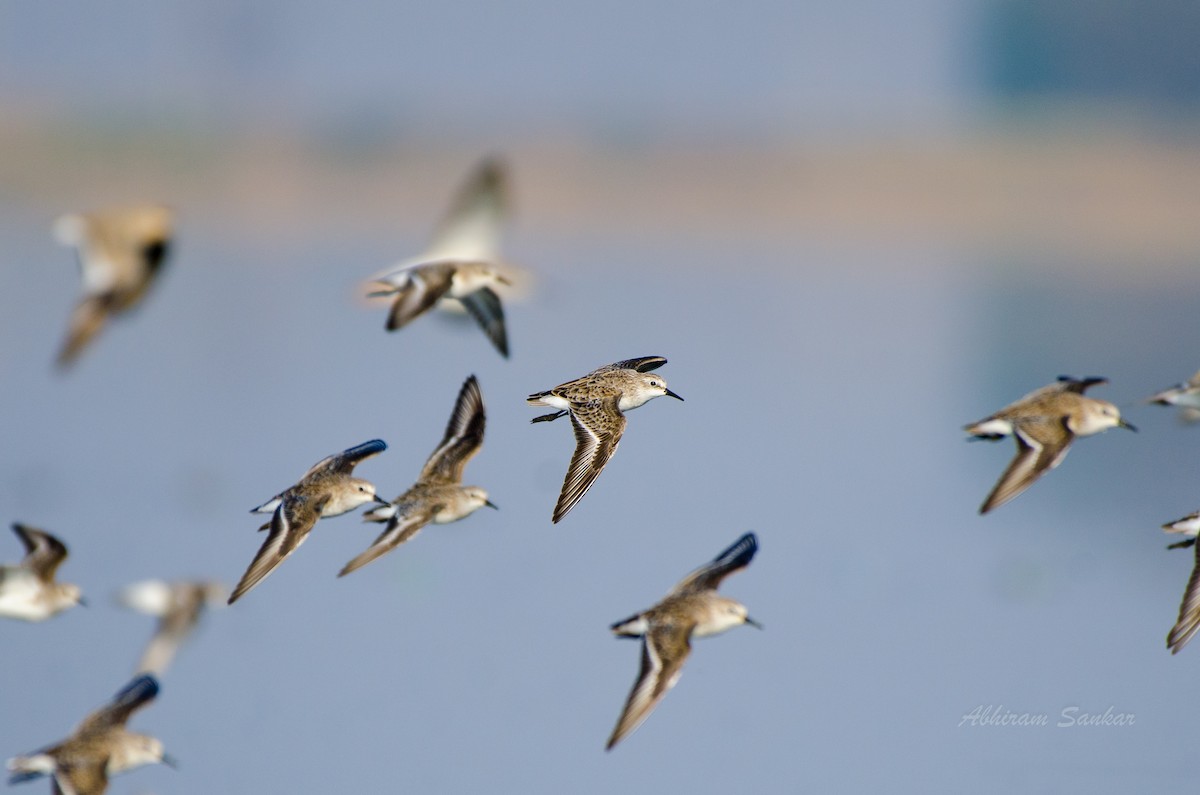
{"x": 491, "y": 505}
{"x": 170, "y": 761}
{"x": 753, "y": 623}
{"x": 672, "y": 394}
{"x": 1124, "y": 424}
{"x": 381, "y": 500}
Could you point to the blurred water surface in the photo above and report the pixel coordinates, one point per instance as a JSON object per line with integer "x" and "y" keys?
{"x": 824, "y": 395}
{"x": 821, "y": 215}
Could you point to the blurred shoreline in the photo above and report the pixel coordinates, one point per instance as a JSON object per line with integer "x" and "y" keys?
{"x": 1099, "y": 192}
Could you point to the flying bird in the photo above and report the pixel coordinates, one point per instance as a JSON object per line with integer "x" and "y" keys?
{"x": 692, "y": 609}
{"x": 121, "y": 252}
{"x": 1186, "y": 396}
{"x": 1044, "y": 423}
{"x": 462, "y": 265}
{"x": 597, "y": 403}
{"x": 177, "y": 606}
{"x": 1189, "y": 608}
{"x": 28, "y": 590}
{"x": 327, "y": 489}
{"x": 438, "y": 496}
{"x": 99, "y": 748}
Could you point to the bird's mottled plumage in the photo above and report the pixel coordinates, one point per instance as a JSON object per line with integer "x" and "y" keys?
{"x": 438, "y": 496}
{"x": 99, "y": 747}
{"x": 691, "y": 609}
{"x": 596, "y": 403}
{"x": 462, "y": 264}
{"x": 121, "y": 251}
{"x": 178, "y": 606}
{"x": 1044, "y": 423}
{"x": 28, "y": 590}
{"x": 327, "y": 489}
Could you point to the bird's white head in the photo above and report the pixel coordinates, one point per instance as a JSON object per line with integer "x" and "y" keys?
{"x": 723, "y": 614}
{"x": 1100, "y": 416}
{"x": 352, "y": 493}
{"x": 647, "y": 387}
{"x": 477, "y": 498}
{"x": 136, "y": 750}
{"x": 70, "y": 594}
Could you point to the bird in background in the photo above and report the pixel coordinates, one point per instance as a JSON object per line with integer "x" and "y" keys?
{"x": 1186, "y": 396}
{"x": 28, "y": 590}
{"x": 692, "y": 609}
{"x": 438, "y": 496}
{"x": 99, "y": 748}
{"x": 596, "y": 404}
{"x": 462, "y": 265}
{"x": 1044, "y": 423}
{"x": 177, "y": 606}
{"x": 327, "y": 489}
{"x": 121, "y": 251}
{"x": 1189, "y": 608}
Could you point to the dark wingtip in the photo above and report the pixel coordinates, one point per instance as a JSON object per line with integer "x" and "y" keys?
{"x": 364, "y": 450}
{"x": 21, "y": 778}
{"x": 740, "y": 552}
{"x": 141, "y": 688}
{"x": 648, "y": 363}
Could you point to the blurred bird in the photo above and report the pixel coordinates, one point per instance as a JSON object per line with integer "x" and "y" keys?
{"x": 462, "y": 264}
{"x": 99, "y": 747}
{"x": 691, "y": 610}
{"x": 28, "y": 590}
{"x": 1186, "y": 396}
{"x": 438, "y": 496}
{"x": 596, "y": 403}
{"x": 120, "y": 252}
{"x": 327, "y": 489}
{"x": 178, "y": 606}
{"x": 1044, "y": 423}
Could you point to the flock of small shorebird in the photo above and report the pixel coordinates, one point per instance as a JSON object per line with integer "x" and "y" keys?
{"x": 1047, "y": 420}
{"x": 120, "y": 253}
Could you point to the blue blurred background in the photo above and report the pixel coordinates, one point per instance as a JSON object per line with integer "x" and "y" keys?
{"x": 851, "y": 227}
